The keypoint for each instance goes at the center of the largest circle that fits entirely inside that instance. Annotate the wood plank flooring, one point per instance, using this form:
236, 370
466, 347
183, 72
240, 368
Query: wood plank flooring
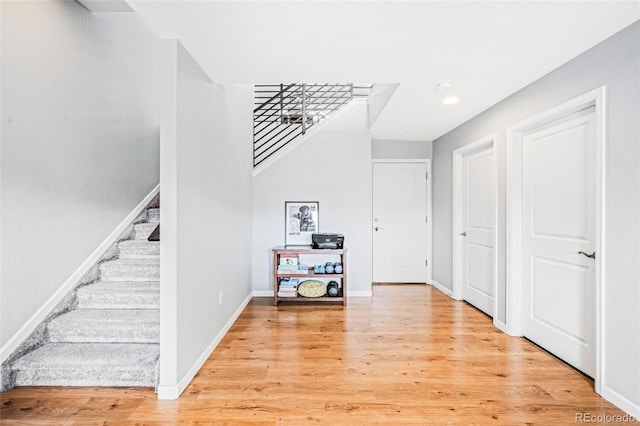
409, 355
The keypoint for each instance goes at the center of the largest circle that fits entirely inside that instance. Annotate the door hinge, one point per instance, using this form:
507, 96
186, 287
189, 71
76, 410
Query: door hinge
426, 175
426, 219
426, 262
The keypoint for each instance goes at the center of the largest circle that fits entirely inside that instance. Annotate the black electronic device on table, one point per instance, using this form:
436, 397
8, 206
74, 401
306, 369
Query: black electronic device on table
327, 241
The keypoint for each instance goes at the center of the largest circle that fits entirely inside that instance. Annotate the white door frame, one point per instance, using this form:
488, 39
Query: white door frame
486, 143
596, 98
429, 236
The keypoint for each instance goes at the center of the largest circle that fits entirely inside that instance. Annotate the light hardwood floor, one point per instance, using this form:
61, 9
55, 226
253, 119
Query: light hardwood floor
409, 355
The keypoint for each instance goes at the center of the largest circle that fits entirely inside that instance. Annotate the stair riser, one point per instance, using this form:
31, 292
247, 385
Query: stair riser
85, 377
137, 272
143, 230
88, 364
112, 295
106, 326
119, 300
139, 251
143, 334
139, 256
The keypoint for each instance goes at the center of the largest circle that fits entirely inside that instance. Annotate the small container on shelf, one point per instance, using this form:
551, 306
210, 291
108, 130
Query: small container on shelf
288, 260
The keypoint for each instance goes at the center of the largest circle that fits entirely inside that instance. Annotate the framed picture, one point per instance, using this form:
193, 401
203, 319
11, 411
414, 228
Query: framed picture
301, 220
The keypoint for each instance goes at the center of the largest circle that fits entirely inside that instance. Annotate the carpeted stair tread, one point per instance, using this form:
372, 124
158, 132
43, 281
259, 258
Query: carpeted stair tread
143, 230
131, 270
111, 336
88, 364
135, 249
106, 325
120, 295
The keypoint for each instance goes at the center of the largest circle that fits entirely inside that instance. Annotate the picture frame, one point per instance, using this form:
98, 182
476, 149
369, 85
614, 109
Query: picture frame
301, 220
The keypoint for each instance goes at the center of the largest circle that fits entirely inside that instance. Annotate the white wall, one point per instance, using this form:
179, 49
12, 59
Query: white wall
206, 214
616, 64
400, 150
80, 123
333, 167
379, 97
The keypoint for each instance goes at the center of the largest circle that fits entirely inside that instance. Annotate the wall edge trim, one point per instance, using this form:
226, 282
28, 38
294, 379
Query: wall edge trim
500, 325
621, 402
441, 288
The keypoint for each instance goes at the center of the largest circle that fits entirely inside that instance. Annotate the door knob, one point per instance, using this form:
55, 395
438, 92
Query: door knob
377, 227
592, 255
464, 234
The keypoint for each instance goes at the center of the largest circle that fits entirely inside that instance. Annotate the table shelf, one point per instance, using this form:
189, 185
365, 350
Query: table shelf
290, 251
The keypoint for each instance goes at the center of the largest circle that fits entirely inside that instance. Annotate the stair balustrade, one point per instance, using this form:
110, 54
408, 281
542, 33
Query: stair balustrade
284, 112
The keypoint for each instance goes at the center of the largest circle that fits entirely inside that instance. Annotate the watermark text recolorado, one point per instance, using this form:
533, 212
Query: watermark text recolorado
604, 418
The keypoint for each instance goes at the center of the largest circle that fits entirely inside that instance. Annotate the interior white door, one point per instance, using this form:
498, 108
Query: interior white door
559, 207
478, 225
399, 222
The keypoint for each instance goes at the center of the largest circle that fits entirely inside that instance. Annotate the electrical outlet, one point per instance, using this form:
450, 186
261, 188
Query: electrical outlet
220, 298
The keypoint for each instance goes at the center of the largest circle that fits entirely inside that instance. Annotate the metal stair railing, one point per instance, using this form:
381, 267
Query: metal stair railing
284, 112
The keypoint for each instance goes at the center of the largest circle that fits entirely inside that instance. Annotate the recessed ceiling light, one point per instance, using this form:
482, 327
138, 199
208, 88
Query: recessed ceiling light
445, 87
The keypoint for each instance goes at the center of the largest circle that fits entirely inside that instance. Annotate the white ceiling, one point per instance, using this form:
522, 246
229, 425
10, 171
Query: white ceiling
490, 49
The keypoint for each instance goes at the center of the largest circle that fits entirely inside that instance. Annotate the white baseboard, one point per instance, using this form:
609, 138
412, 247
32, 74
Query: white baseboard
442, 288
500, 325
621, 402
262, 293
359, 293
30, 325
174, 391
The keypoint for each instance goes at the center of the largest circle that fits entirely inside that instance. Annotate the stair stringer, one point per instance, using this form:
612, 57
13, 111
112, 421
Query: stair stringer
295, 143
65, 299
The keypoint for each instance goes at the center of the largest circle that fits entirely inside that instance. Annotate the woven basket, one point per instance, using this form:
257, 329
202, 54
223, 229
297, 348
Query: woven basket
312, 288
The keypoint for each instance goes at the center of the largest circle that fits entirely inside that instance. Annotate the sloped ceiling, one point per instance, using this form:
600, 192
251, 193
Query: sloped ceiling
490, 49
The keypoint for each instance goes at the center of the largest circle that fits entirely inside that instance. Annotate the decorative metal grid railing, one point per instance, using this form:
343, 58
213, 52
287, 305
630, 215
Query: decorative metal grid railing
284, 112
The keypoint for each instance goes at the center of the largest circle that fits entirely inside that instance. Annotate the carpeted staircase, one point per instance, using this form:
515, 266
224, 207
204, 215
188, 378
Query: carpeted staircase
111, 337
